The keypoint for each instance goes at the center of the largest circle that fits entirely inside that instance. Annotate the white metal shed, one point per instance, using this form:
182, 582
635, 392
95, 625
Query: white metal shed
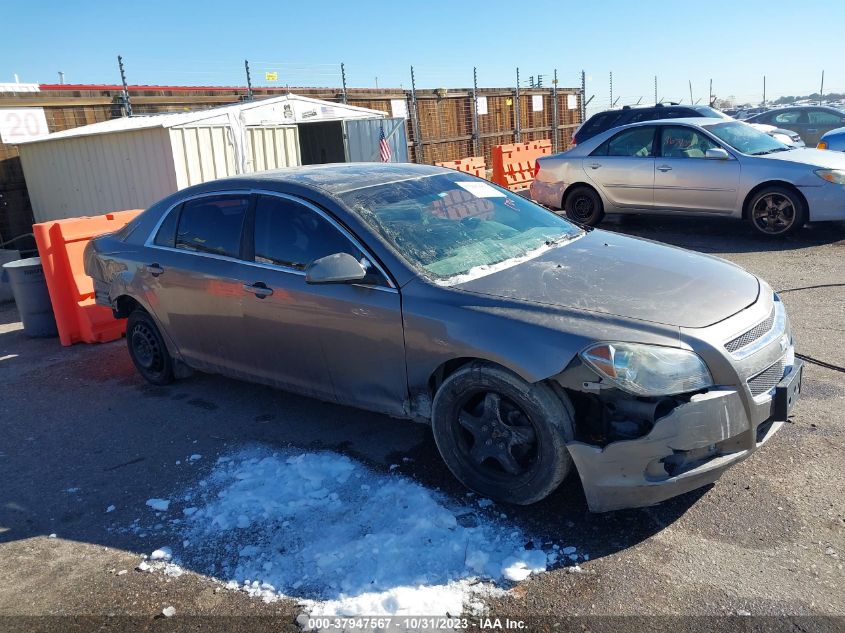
130, 163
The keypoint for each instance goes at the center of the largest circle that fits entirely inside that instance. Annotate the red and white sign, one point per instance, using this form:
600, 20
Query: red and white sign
22, 124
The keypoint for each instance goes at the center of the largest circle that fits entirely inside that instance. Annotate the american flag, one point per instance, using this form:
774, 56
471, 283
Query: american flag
383, 147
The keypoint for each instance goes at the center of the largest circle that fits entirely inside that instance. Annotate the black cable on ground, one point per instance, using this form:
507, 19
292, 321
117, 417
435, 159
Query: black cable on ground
820, 363
780, 292
15, 239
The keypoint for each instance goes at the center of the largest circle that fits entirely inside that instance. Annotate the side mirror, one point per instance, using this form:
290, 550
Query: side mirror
716, 153
340, 268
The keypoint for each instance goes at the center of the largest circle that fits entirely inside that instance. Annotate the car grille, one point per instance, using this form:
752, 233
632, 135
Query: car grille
766, 379
751, 335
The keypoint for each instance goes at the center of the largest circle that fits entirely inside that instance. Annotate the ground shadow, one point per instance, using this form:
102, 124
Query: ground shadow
720, 235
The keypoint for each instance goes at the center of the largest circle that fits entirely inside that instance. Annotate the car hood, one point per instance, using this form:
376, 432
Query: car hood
807, 156
628, 277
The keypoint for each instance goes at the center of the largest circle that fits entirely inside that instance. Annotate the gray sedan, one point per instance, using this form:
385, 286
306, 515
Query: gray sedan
532, 347
695, 166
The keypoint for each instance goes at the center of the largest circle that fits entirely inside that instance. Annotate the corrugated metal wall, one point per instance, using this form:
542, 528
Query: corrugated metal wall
362, 139
202, 153
91, 175
272, 147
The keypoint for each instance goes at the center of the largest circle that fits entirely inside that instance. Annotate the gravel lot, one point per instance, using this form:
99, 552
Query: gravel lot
767, 539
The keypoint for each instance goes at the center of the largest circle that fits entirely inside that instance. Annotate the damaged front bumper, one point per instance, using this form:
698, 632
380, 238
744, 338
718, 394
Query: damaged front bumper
688, 448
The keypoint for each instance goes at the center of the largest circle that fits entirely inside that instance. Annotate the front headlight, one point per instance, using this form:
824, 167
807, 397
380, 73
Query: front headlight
836, 176
648, 370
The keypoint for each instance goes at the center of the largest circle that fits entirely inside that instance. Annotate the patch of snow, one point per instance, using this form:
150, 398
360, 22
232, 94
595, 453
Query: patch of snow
484, 503
52, 535
122, 572
168, 612
384, 544
72, 490
111, 509
194, 457
569, 550
162, 553
158, 504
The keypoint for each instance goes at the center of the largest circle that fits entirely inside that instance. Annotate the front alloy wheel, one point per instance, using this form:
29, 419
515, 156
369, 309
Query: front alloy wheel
775, 212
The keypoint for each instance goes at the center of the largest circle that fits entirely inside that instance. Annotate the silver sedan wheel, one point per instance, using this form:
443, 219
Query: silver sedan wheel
773, 213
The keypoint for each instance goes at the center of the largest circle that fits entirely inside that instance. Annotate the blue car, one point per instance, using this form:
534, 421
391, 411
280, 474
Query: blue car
835, 140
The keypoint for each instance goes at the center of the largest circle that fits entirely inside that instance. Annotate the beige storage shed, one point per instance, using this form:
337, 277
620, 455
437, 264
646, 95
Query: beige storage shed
131, 162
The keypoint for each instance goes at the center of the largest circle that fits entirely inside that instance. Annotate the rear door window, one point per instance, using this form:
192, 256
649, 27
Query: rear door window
823, 117
600, 122
213, 224
166, 235
637, 142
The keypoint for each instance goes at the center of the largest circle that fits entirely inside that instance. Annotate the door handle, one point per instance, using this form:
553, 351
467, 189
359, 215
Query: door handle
155, 270
259, 289
664, 168
595, 165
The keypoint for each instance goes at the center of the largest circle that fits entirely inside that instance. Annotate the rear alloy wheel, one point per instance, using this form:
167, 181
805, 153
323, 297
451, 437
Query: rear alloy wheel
584, 205
776, 211
147, 348
500, 436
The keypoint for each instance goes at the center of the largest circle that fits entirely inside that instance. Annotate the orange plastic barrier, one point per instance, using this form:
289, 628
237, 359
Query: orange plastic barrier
473, 165
61, 244
513, 165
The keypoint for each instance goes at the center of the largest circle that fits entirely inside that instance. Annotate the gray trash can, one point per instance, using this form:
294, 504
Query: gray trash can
31, 296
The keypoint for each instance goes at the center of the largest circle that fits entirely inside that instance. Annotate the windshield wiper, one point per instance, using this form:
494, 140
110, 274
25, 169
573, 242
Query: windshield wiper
772, 151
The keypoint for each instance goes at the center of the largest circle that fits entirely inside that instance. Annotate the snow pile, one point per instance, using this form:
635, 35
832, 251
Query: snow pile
344, 540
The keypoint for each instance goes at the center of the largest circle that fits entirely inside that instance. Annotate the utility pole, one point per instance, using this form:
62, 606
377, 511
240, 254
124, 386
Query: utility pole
127, 105
376, 81
611, 89
690, 92
248, 81
710, 101
764, 91
343, 79
821, 90
655, 91
61, 77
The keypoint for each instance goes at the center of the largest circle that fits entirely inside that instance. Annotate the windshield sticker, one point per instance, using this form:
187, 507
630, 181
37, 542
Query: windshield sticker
481, 189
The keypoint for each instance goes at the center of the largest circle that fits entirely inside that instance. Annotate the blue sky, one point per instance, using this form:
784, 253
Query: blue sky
200, 43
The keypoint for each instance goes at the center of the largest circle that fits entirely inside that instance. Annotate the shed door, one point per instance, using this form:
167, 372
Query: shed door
362, 139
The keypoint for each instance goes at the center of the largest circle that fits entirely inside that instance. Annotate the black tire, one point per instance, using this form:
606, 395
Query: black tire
147, 348
584, 205
482, 414
776, 211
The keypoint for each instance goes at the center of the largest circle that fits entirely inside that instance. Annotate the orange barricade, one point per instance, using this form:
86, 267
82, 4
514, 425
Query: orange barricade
60, 245
513, 165
473, 165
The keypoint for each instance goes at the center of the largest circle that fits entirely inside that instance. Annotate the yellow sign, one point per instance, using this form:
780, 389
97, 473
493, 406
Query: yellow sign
271, 76
508, 101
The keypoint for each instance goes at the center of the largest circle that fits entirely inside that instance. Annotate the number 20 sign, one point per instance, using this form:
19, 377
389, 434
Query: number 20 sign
22, 124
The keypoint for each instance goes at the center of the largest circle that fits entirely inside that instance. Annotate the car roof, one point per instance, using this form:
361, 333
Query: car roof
336, 178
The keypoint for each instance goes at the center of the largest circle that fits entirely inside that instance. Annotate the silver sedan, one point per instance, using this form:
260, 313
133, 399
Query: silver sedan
696, 166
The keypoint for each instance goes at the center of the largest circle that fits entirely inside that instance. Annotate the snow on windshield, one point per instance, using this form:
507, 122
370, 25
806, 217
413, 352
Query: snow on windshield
450, 224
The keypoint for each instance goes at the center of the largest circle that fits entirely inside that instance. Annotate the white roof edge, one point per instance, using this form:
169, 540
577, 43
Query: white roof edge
171, 119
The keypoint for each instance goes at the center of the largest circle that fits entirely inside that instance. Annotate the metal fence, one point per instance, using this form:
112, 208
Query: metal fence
442, 124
